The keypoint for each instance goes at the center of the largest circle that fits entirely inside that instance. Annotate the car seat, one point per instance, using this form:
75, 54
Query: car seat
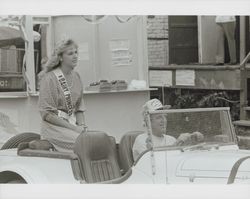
125, 149
97, 156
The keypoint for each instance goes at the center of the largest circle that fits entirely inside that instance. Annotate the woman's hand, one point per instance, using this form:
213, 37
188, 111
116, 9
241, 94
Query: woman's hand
81, 128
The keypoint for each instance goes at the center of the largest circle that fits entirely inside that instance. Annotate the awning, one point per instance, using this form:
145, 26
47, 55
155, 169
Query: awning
10, 36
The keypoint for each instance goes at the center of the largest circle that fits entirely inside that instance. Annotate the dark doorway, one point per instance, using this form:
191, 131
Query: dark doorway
183, 39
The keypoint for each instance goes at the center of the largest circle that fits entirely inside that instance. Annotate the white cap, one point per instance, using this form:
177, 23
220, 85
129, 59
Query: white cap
154, 104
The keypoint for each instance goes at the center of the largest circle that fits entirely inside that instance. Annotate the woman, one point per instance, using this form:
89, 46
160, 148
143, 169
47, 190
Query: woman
61, 98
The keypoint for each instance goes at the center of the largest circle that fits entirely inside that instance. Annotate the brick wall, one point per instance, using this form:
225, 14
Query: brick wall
157, 41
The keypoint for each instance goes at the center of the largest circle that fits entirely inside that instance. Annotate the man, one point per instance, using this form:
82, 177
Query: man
226, 26
159, 138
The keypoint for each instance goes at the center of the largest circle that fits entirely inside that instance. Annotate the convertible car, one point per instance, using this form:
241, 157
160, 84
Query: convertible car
97, 158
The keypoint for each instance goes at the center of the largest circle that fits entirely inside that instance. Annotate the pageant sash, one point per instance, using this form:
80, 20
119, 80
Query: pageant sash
65, 88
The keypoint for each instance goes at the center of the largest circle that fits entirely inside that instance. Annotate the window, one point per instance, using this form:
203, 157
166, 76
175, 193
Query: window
15, 70
11, 55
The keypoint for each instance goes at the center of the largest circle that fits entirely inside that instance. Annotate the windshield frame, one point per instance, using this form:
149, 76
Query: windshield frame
225, 109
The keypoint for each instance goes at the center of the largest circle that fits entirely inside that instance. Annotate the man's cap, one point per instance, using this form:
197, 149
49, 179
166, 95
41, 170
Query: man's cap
154, 104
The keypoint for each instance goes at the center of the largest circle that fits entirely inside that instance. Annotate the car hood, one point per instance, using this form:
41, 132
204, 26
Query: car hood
212, 163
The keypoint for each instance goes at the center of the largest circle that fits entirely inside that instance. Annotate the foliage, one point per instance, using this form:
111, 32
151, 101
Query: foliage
207, 98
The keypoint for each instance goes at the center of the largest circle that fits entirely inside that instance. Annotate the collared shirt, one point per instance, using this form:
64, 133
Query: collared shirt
141, 141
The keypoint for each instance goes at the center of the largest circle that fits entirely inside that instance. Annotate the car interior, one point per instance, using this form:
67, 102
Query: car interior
100, 159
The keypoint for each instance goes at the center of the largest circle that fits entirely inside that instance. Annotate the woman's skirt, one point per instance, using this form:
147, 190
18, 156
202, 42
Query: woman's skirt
63, 139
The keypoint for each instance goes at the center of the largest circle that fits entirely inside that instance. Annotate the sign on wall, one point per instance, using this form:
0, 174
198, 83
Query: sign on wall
159, 78
120, 52
185, 78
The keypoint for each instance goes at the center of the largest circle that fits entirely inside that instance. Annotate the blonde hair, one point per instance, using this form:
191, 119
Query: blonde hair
54, 60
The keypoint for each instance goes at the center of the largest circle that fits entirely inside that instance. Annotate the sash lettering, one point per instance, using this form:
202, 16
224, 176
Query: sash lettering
62, 81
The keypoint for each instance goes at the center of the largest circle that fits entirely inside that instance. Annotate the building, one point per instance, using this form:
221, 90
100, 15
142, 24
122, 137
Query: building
169, 55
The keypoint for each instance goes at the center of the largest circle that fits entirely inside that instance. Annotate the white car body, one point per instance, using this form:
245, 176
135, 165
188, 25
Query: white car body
196, 167
37, 170
198, 164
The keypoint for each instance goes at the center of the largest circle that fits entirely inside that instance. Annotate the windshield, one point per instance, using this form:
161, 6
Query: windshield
189, 127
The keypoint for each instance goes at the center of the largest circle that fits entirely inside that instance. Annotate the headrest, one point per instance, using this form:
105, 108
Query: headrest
94, 144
